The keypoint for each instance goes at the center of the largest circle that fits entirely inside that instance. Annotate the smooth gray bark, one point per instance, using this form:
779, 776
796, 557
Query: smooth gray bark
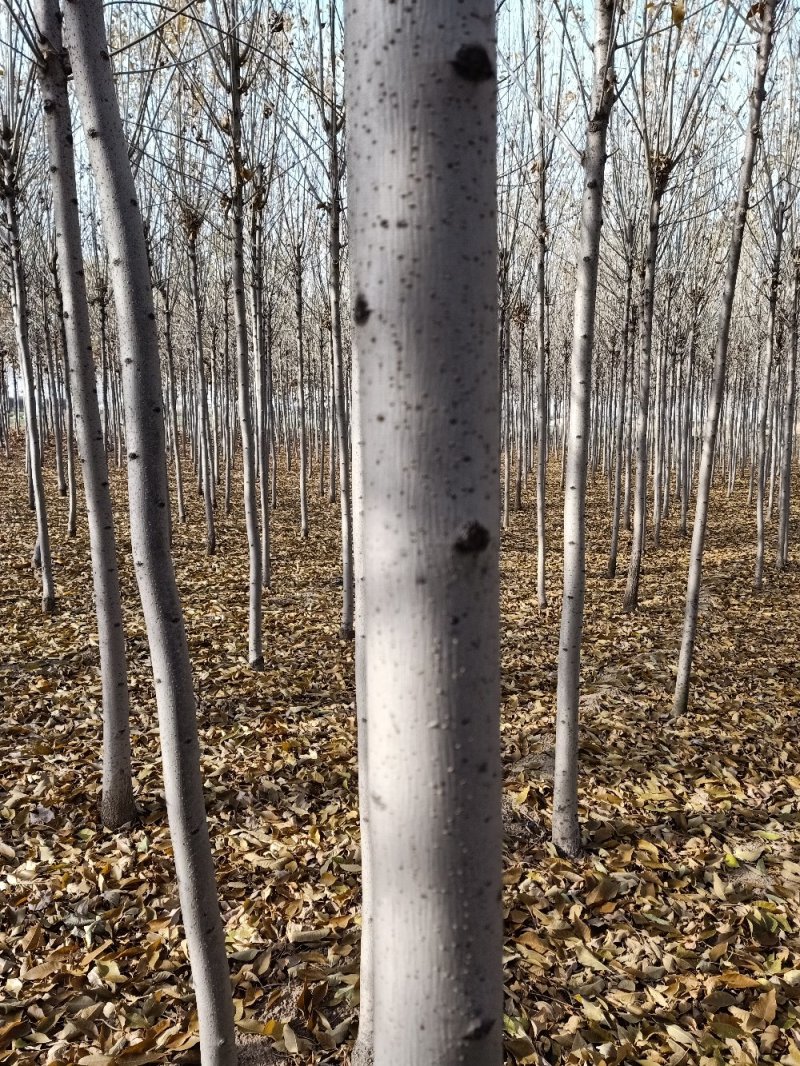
421, 107
249, 442
85, 38
117, 803
566, 830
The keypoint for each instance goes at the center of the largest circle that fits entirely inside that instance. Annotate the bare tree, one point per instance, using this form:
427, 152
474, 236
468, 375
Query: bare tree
566, 830
753, 130
85, 38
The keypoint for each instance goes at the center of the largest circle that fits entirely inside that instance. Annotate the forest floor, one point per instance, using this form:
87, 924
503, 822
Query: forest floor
674, 939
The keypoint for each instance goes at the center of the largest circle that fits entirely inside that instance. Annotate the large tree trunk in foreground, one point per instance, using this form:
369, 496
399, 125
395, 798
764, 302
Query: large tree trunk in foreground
85, 37
423, 256
681, 697
566, 830
117, 804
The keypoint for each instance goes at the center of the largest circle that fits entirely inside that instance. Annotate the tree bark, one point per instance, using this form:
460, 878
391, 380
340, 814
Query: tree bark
117, 804
761, 470
342, 431
619, 432
566, 830
301, 391
255, 635
85, 38
785, 494
206, 466
631, 600
423, 254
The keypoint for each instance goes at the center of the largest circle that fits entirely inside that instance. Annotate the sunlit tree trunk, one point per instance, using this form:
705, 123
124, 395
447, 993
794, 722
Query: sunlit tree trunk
255, 635
117, 803
566, 830
85, 38
681, 697
423, 256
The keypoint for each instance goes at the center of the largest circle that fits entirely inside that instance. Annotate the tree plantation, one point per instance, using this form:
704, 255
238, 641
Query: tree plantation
399, 599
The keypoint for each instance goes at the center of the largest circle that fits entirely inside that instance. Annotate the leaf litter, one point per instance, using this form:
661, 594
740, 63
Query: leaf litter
674, 939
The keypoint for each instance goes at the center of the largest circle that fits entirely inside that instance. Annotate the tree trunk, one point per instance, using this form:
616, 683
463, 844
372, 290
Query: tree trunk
423, 257
619, 432
55, 396
85, 38
301, 390
342, 432
262, 340
42, 557
255, 636
566, 830
681, 697
784, 501
72, 515
761, 468
172, 401
117, 804
206, 467
631, 600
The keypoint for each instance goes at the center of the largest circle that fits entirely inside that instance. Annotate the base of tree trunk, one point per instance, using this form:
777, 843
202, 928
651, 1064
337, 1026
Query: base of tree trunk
117, 811
48, 605
361, 1054
257, 664
347, 633
568, 842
